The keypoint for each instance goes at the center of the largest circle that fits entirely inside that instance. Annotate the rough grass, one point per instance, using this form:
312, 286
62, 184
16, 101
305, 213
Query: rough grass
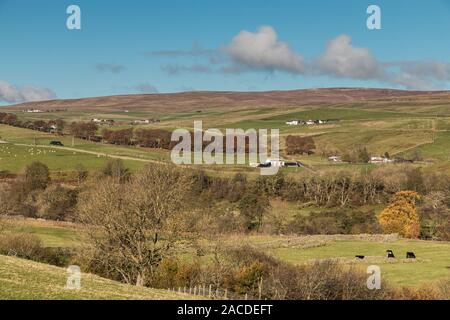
16, 158
433, 258
433, 261
25, 146
51, 233
27, 280
399, 126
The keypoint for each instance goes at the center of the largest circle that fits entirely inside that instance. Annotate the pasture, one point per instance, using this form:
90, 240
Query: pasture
15, 158
432, 264
400, 127
27, 280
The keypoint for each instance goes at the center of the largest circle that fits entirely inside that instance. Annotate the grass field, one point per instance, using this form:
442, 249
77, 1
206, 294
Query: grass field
25, 146
52, 233
399, 127
433, 261
27, 280
433, 258
15, 158
381, 126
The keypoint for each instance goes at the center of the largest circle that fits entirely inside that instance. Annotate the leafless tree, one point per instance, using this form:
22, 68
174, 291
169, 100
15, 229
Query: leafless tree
131, 226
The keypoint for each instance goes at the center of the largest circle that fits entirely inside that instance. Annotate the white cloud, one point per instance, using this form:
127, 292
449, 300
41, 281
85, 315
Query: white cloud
412, 82
427, 69
263, 51
342, 59
15, 94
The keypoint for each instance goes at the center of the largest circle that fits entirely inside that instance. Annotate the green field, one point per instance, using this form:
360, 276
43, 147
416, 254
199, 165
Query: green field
25, 146
401, 127
432, 263
27, 280
14, 158
433, 258
52, 234
381, 126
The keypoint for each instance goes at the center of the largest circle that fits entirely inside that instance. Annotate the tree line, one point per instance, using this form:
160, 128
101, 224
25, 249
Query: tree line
135, 221
340, 194
55, 126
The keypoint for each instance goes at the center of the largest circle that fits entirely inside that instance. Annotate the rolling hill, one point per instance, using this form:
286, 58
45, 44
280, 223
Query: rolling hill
189, 101
27, 280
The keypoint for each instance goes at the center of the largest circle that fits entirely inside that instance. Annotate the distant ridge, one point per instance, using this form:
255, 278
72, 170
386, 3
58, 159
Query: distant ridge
190, 101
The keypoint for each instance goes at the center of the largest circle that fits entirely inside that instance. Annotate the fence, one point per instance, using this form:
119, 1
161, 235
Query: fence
207, 291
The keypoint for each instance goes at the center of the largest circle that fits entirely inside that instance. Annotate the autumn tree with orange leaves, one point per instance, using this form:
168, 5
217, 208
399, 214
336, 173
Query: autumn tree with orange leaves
401, 215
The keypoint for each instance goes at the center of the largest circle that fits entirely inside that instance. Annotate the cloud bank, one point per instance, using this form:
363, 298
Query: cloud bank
263, 51
15, 94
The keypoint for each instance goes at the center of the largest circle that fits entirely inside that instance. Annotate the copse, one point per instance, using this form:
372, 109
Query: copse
119, 137
56, 203
37, 176
252, 208
116, 169
299, 145
83, 130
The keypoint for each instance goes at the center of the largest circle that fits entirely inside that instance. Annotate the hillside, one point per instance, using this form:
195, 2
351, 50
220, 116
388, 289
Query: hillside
27, 280
189, 101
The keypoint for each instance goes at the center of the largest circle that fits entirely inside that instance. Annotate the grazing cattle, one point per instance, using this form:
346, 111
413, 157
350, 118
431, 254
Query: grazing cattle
360, 257
390, 254
410, 255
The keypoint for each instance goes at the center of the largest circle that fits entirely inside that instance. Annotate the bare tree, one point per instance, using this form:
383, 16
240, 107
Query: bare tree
131, 226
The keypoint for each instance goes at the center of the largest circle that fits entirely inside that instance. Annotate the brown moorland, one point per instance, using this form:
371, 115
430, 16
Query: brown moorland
190, 101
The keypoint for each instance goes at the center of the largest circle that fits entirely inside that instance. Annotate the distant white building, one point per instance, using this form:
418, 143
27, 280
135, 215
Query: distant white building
102, 121
34, 111
137, 122
380, 160
307, 123
335, 159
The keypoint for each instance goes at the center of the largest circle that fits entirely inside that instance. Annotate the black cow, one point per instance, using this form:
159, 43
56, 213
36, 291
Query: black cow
360, 257
390, 254
410, 255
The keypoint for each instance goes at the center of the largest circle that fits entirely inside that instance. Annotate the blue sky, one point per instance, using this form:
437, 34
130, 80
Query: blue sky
150, 46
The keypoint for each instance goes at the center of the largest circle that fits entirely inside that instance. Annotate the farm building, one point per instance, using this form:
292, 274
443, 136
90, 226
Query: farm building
335, 159
144, 121
103, 121
307, 122
380, 160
